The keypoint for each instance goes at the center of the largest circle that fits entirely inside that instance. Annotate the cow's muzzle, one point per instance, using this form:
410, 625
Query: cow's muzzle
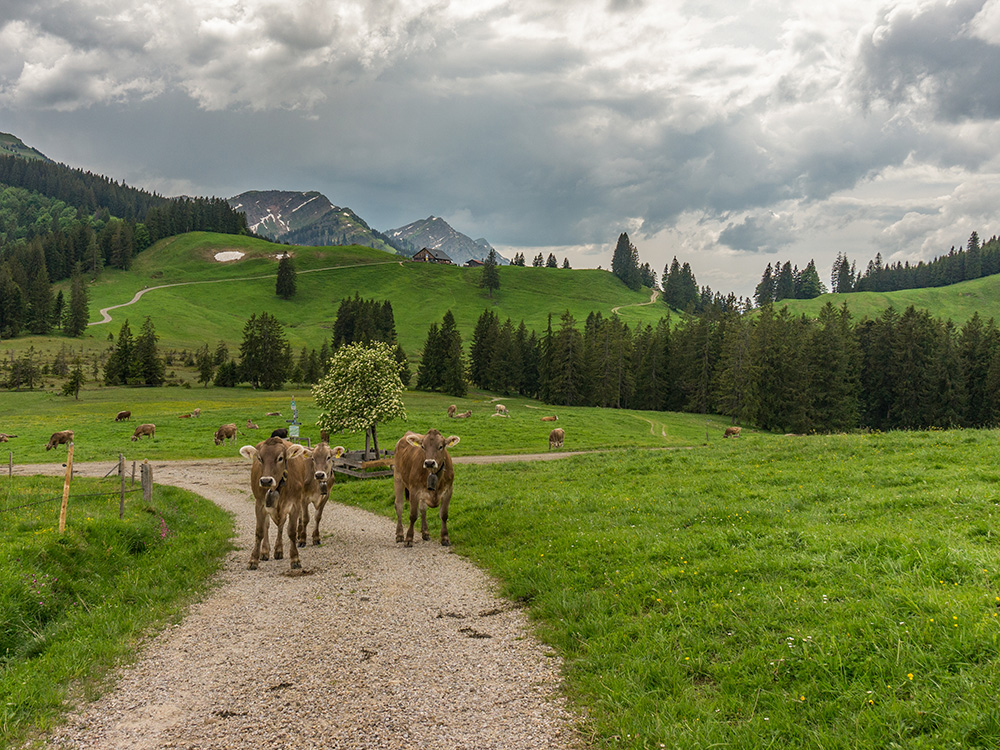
267, 481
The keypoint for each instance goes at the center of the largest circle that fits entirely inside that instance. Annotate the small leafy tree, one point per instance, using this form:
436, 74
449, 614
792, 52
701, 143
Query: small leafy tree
360, 390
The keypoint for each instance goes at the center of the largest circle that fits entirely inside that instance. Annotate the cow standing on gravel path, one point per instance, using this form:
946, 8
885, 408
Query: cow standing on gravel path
279, 471
317, 491
423, 476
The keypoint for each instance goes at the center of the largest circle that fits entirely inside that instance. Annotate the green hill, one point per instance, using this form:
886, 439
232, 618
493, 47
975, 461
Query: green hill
957, 302
204, 300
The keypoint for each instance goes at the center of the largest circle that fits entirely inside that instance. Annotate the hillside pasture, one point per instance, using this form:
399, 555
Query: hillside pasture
34, 415
834, 592
219, 297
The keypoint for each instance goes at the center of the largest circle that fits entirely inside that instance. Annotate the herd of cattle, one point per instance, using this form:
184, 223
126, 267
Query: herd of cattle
287, 478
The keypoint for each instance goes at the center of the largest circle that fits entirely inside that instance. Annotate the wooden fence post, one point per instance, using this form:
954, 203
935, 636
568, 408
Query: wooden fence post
65, 499
133, 473
121, 477
10, 463
147, 482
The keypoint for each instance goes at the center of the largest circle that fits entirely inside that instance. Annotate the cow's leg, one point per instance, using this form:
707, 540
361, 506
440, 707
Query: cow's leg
319, 515
302, 525
445, 500
293, 531
425, 534
402, 494
265, 543
260, 534
279, 542
414, 512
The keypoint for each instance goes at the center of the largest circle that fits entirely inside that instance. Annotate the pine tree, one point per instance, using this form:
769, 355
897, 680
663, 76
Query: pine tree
784, 284
429, 373
76, 380
286, 283
764, 293
149, 366
120, 367
490, 277
551, 261
452, 365
76, 320
205, 365
809, 285
565, 364
625, 262
262, 363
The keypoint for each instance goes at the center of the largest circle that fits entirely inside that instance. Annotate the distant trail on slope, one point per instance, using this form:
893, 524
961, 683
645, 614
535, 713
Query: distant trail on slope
105, 318
652, 299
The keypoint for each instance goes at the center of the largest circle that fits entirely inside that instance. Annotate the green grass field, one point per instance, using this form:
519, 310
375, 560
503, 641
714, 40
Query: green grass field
74, 605
34, 416
835, 592
217, 298
957, 302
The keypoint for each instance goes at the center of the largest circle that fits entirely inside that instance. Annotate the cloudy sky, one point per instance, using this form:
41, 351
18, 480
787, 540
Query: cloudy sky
730, 134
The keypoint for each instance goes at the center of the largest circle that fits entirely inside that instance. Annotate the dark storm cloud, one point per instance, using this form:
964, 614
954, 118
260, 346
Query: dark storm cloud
931, 57
766, 234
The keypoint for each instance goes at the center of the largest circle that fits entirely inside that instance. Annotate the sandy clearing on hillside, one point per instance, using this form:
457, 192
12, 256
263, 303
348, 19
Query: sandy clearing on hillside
379, 646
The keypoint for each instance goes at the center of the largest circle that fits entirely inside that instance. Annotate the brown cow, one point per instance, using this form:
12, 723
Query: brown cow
279, 472
224, 433
184, 416
196, 412
273, 414
59, 438
144, 429
464, 414
318, 491
4, 437
423, 475
252, 426
123, 416
556, 438
501, 411
452, 410
281, 432
549, 419
733, 432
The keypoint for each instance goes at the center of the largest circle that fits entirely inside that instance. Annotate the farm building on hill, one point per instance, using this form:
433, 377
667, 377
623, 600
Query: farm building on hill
473, 263
426, 255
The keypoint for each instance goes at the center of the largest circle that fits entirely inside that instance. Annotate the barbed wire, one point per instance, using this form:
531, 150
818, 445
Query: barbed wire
71, 497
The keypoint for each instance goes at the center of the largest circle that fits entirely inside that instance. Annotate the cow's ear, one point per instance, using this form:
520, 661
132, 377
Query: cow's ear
248, 451
294, 451
415, 440
452, 440
339, 451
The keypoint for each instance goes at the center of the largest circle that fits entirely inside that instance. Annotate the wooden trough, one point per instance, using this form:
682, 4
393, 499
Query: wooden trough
370, 464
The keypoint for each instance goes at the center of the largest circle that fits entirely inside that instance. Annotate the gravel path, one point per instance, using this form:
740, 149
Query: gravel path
377, 646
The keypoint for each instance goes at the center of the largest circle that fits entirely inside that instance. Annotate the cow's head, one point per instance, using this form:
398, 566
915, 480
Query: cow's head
435, 446
322, 459
274, 455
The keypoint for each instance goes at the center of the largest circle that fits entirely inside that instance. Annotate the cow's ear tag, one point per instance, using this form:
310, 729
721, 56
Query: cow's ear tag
414, 440
452, 440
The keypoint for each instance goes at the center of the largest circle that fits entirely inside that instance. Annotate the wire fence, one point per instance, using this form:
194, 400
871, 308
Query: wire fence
145, 487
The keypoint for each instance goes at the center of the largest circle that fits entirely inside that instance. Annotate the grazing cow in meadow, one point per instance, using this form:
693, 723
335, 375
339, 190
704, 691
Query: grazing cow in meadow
196, 412
279, 472
549, 419
224, 433
501, 411
144, 429
59, 438
317, 492
452, 410
556, 438
732, 432
252, 426
424, 476
281, 432
123, 416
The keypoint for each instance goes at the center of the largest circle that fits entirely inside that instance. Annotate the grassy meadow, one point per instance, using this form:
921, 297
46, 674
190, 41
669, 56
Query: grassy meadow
214, 299
34, 415
72, 606
823, 592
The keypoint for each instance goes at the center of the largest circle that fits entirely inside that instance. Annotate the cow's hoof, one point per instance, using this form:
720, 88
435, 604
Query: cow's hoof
263, 557
399, 538
279, 555
302, 544
446, 542
426, 537
252, 565
317, 542
296, 565
409, 542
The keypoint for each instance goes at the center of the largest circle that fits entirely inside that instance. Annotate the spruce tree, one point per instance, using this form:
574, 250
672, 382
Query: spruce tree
149, 366
76, 319
120, 367
490, 277
285, 285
